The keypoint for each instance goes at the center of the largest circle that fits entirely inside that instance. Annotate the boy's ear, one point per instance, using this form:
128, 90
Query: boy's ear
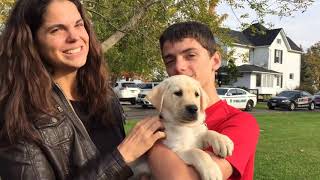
216, 61
156, 95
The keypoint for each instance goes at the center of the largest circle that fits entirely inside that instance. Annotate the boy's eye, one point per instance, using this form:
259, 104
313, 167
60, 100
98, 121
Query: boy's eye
169, 61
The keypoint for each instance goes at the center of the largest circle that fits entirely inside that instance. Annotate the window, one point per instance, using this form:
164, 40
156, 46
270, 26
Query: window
279, 41
258, 80
267, 80
305, 94
241, 92
278, 56
232, 92
291, 76
264, 80
279, 80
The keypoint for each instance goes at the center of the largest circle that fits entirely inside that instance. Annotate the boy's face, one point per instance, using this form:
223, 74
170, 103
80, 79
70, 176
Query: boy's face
188, 57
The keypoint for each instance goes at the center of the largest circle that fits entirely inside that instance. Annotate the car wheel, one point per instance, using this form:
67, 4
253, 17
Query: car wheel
133, 101
292, 106
249, 106
311, 106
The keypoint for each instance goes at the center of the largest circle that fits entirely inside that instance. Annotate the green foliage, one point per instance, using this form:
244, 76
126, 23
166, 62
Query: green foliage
310, 69
228, 74
137, 52
5, 6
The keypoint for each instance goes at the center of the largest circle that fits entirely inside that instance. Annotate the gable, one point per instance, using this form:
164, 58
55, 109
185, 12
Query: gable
258, 35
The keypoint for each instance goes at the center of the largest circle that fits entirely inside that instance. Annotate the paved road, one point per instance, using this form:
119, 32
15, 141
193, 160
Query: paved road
137, 112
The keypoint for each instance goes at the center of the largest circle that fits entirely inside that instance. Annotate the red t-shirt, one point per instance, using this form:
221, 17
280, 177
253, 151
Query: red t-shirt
242, 129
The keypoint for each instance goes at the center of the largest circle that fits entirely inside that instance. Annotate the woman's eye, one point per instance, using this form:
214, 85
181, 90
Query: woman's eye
79, 25
54, 30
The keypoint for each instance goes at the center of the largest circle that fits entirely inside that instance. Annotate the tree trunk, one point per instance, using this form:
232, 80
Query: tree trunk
119, 34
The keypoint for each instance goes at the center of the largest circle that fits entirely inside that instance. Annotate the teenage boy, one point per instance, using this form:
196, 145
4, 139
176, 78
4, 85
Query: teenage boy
188, 48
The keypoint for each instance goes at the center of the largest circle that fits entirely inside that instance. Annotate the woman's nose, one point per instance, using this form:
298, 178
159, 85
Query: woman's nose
73, 35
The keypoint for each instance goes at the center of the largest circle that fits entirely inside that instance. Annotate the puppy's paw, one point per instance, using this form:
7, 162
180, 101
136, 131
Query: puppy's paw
202, 162
221, 144
211, 172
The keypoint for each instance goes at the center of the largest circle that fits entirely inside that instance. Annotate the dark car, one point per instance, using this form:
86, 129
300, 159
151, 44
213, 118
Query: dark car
317, 99
291, 100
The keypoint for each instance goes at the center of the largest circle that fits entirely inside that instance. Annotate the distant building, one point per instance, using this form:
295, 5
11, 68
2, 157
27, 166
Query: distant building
267, 59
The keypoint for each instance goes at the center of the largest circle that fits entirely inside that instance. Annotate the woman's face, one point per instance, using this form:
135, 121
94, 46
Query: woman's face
62, 39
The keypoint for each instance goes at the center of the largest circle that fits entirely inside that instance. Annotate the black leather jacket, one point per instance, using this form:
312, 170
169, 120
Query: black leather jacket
66, 151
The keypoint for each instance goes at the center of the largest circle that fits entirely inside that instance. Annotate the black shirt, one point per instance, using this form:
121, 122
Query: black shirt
106, 138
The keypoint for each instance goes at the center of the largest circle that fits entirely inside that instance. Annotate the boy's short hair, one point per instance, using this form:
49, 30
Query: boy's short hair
191, 29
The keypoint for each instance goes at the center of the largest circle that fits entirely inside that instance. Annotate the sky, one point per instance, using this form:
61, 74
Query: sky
302, 28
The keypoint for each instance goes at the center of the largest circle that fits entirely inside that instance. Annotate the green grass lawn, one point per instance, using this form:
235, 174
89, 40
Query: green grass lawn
261, 105
288, 148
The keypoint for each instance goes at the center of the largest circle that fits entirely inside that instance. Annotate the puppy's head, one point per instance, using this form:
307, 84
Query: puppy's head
180, 99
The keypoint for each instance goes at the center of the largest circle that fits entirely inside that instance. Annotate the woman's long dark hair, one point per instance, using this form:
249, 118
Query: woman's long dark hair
25, 80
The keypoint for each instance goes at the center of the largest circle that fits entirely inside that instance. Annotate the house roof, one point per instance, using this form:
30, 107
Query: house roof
254, 68
293, 45
258, 35
239, 37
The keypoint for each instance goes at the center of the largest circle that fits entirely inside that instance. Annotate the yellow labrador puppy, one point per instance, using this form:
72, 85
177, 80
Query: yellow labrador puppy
181, 103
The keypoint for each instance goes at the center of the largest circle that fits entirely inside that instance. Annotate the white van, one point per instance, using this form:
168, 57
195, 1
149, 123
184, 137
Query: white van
127, 91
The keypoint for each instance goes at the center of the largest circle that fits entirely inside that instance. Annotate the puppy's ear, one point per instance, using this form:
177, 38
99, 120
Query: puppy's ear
204, 100
156, 95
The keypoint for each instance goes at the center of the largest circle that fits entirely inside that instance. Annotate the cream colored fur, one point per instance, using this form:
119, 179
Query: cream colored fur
182, 102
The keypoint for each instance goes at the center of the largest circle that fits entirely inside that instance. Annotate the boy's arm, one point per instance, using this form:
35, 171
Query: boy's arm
165, 164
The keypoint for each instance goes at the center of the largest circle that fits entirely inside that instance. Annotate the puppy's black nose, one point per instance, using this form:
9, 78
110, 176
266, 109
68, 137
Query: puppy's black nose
192, 109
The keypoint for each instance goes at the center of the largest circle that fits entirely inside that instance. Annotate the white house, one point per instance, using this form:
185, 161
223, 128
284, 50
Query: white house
267, 59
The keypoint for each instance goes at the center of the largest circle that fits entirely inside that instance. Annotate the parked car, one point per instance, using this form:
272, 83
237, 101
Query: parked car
238, 98
127, 91
145, 88
317, 99
292, 99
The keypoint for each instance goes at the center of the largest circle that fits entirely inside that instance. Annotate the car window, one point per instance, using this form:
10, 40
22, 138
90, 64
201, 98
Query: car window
304, 93
129, 85
221, 91
241, 92
288, 94
233, 92
147, 85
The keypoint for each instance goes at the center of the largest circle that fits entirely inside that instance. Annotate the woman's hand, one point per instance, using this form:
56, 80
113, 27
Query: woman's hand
141, 139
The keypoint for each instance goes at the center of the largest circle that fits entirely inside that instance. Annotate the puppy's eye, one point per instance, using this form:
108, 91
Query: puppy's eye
196, 94
178, 93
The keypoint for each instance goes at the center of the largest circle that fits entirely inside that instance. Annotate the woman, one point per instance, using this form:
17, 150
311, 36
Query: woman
59, 118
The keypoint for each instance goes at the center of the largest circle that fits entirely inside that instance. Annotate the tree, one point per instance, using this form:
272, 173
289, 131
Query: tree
129, 29
310, 69
5, 6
